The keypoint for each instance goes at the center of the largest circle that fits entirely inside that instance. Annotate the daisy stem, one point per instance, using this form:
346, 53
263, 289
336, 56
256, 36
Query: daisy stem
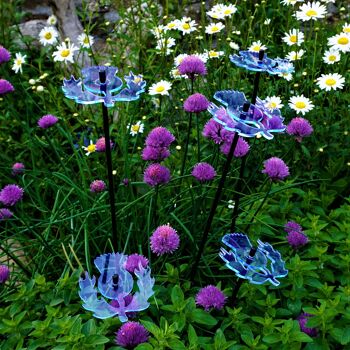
102, 75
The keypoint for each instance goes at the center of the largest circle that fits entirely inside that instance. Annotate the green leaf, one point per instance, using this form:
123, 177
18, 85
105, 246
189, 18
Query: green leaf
301, 337
342, 336
176, 344
192, 336
219, 340
177, 297
144, 346
202, 317
96, 339
272, 338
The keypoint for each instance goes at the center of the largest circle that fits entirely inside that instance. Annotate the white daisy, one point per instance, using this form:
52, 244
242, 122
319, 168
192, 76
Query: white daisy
294, 37
215, 54
214, 28
203, 56
234, 45
186, 25
340, 42
295, 55
178, 59
48, 36
346, 28
267, 21
160, 88
172, 25
221, 11
290, 2
257, 46
175, 74
136, 128
287, 76
64, 52
158, 31
52, 20
311, 10
331, 56
18, 61
300, 104
91, 148
273, 102
229, 10
330, 81
165, 43
85, 40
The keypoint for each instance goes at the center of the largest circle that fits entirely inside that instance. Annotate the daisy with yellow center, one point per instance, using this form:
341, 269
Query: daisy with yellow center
311, 11
257, 46
331, 56
287, 76
301, 104
136, 128
160, 88
48, 36
18, 61
294, 37
215, 54
330, 81
346, 28
64, 52
172, 25
214, 28
295, 55
340, 42
52, 20
85, 40
91, 148
273, 102
186, 25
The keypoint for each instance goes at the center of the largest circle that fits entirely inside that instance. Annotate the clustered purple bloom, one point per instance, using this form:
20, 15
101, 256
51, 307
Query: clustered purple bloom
203, 172
131, 334
299, 127
133, 261
296, 237
276, 169
196, 103
17, 168
302, 319
5, 214
4, 55
4, 273
156, 174
11, 194
164, 240
47, 121
241, 149
5, 87
211, 297
97, 186
101, 144
191, 66
157, 143
292, 226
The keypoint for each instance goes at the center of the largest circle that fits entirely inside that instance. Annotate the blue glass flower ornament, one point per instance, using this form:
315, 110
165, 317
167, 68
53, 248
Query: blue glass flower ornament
260, 265
258, 120
250, 60
116, 283
91, 90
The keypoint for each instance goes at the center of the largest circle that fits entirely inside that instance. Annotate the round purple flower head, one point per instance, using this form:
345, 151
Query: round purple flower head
292, 226
159, 137
17, 168
11, 194
302, 319
196, 103
164, 240
47, 121
156, 174
297, 239
191, 66
5, 87
4, 273
101, 144
155, 153
133, 261
131, 334
210, 297
5, 214
299, 127
241, 149
215, 131
276, 169
4, 55
97, 186
203, 172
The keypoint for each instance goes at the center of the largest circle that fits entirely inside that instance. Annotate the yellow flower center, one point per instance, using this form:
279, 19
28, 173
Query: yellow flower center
256, 48
332, 58
273, 105
186, 26
215, 29
135, 128
343, 41
227, 12
171, 25
300, 104
311, 13
346, 30
91, 148
137, 80
65, 53
48, 36
330, 82
86, 41
293, 38
160, 88
18, 61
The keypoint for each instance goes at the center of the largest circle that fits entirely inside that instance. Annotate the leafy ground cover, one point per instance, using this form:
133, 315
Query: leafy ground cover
180, 199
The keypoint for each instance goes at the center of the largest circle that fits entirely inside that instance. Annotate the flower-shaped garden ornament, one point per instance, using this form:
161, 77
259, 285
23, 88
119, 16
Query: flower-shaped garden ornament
93, 89
257, 265
256, 62
116, 285
257, 120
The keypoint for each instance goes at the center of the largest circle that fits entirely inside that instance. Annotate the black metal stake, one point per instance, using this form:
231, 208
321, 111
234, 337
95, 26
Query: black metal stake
102, 76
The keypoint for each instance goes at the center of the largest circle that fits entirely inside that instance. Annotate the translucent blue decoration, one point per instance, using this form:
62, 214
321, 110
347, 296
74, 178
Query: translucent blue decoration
90, 90
258, 120
116, 284
250, 60
260, 265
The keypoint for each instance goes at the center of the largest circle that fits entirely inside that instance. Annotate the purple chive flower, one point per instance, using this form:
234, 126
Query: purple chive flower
97, 186
210, 297
11, 194
302, 319
4, 55
297, 239
4, 273
242, 147
191, 66
101, 144
131, 334
159, 137
5, 214
164, 240
156, 174
47, 121
17, 168
133, 261
203, 172
196, 103
155, 153
292, 226
5, 87
276, 169
215, 131
299, 127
